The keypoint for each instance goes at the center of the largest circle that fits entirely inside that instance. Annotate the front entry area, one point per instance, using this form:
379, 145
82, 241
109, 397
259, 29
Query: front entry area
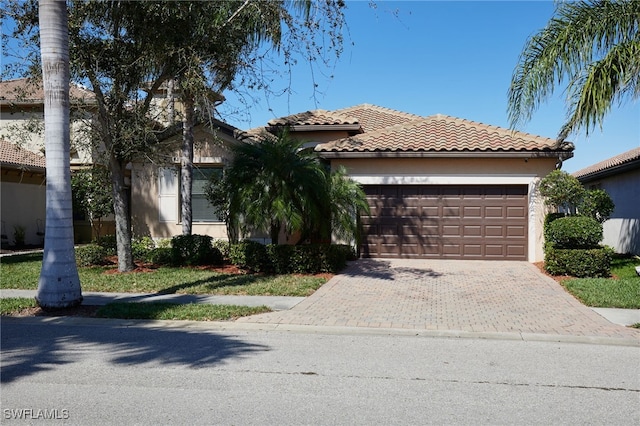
487, 222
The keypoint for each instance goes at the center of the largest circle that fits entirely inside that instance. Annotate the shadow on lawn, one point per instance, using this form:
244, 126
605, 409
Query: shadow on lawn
214, 282
30, 347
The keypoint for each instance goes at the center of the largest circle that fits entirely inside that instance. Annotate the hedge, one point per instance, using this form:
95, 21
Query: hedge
194, 250
579, 262
288, 259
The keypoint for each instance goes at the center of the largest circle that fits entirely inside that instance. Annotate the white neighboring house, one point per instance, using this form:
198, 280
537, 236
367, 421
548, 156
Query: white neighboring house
620, 177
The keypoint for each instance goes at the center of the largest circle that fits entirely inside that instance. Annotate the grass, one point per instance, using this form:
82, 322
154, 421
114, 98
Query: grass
169, 311
21, 272
15, 304
623, 291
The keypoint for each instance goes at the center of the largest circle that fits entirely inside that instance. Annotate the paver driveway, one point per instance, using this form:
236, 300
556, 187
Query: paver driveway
453, 295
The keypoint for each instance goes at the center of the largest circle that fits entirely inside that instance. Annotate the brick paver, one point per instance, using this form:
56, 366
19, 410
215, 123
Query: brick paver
452, 295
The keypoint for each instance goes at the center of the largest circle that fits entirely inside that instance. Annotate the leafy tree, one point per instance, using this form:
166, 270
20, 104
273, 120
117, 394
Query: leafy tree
92, 195
120, 47
561, 190
59, 283
595, 46
596, 203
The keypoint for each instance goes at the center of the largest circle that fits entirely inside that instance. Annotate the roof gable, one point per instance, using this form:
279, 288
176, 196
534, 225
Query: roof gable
610, 165
441, 133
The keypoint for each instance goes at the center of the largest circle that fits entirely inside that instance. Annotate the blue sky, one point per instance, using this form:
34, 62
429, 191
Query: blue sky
453, 58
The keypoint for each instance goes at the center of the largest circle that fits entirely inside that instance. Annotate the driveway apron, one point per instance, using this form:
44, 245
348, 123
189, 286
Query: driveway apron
452, 295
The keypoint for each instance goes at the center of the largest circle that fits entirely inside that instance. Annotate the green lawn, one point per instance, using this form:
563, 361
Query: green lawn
622, 291
21, 272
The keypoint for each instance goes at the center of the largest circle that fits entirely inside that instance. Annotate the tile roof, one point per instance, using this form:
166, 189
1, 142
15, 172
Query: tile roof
372, 117
11, 155
610, 163
29, 91
313, 118
441, 133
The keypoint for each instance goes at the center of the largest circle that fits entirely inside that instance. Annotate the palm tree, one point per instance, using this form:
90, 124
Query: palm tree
59, 284
275, 184
592, 44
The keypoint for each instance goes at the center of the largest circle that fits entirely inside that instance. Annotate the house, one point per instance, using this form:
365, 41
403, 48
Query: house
438, 186
23, 194
619, 176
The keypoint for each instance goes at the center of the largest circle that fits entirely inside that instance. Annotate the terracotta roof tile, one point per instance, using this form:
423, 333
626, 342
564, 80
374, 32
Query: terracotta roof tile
372, 117
28, 91
313, 118
441, 133
610, 163
15, 157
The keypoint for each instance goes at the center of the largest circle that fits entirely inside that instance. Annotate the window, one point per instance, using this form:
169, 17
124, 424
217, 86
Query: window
201, 210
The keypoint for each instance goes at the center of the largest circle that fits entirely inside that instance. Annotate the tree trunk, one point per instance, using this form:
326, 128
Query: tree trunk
59, 283
186, 165
121, 212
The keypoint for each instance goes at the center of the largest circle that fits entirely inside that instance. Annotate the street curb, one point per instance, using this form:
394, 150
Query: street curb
333, 330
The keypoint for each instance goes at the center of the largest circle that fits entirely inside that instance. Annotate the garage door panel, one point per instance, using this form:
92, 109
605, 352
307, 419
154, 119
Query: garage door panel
457, 222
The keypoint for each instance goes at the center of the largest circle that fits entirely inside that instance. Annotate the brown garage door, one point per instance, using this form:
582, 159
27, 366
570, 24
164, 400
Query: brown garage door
450, 222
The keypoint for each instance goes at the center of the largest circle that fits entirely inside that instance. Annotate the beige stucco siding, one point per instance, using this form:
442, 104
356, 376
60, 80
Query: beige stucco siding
23, 204
155, 200
462, 171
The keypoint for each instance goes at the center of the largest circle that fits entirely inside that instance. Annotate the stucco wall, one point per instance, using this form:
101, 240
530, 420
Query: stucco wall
462, 171
146, 195
23, 204
622, 230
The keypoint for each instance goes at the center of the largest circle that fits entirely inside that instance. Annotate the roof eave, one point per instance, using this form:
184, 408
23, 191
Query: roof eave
563, 155
600, 174
316, 127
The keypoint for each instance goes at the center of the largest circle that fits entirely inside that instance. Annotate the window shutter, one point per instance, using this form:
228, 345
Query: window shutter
168, 194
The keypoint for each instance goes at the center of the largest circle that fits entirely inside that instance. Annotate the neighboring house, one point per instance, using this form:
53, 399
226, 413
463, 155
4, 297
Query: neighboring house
619, 176
23, 194
438, 186
21, 126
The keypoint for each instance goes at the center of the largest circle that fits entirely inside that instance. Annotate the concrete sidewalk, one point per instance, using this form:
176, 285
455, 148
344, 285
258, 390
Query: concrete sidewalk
277, 303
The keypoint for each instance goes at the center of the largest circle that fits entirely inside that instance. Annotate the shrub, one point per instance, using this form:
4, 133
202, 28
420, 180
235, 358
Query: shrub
280, 256
194, 250
575, 232
579, 262
223, 247
141, 248
250, 255
597, 204
560, 189
91, 255
161, 256
109, 243
309, 259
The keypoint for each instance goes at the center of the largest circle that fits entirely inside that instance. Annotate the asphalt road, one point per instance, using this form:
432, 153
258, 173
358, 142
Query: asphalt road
119, 372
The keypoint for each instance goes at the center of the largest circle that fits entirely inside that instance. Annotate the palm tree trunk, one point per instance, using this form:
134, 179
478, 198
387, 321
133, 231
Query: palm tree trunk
59, 283
186, 164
